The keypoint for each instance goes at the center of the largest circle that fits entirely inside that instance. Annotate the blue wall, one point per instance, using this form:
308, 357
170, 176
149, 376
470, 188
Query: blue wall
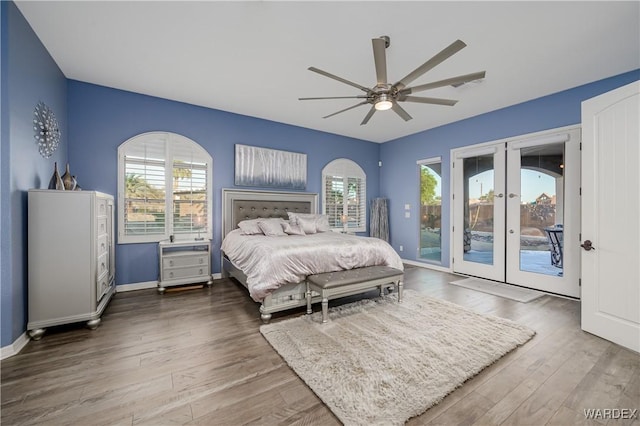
103, 118
29, 75
399, 181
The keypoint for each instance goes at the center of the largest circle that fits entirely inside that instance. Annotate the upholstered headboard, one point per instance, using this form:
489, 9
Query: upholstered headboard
238, 205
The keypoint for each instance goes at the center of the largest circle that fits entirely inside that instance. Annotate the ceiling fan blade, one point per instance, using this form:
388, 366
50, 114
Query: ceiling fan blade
380, 58
401, 112
340, 79
446, 82
440, 57
334, 97
421, 100
346, 109
368, 116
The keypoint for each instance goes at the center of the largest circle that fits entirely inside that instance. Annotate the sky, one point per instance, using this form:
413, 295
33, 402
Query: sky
533, 184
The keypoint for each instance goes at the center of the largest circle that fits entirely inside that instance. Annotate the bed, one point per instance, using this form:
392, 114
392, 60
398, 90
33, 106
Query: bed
274, 268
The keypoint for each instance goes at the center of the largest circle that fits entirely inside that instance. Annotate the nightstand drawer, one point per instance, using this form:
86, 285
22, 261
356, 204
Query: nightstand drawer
185, 260
178, 273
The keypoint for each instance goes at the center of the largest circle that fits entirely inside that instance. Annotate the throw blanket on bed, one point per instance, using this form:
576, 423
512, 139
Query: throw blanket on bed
270, 262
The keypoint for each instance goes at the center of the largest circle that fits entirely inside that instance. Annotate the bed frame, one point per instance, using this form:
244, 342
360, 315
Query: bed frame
238, 205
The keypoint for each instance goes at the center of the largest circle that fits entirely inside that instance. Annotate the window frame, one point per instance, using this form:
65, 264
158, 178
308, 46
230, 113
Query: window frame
347, 169
427, 162
171, 142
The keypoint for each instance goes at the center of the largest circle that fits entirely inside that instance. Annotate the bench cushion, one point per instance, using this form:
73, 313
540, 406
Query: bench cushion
335, 279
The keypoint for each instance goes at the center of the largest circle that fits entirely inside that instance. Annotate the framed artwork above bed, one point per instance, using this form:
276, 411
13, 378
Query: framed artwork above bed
264, 167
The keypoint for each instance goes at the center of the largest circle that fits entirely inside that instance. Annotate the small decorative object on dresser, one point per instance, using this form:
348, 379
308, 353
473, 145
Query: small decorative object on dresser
68, 180
184, 262
56, 180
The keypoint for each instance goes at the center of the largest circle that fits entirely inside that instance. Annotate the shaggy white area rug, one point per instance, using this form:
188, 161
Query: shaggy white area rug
507, 291
382, 362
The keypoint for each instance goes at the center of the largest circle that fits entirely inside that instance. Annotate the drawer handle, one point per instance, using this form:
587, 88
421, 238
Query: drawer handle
103, 246
171, 263
201, 260
171, 274
200, 271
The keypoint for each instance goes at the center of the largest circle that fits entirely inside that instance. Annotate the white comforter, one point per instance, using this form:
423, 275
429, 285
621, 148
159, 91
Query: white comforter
271, 262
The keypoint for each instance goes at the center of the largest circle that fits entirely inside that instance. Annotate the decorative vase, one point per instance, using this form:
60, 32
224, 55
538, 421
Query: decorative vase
56, 180
76, 187
67, 180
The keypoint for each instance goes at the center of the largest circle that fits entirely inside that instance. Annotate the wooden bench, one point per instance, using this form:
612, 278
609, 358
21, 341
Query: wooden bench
352, 281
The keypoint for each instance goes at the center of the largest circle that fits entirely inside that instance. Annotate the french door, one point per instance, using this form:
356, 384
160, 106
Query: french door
515, 202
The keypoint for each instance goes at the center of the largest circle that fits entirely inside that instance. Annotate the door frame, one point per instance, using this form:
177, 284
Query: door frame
483, 148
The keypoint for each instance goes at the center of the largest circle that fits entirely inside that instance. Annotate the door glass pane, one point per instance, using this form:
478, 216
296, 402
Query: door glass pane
478, 209
430, 211
541, 208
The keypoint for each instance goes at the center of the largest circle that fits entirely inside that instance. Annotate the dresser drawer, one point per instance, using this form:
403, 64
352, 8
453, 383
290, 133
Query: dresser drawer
182, 260
101, 206
178, 273
102, 286
103, 244
103, 265
102, 225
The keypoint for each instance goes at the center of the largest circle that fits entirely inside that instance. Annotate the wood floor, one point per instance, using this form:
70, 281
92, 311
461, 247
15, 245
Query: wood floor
197, 357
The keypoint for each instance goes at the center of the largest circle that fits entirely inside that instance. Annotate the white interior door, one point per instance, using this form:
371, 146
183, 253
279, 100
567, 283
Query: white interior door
543, 206
610, 216
479, 215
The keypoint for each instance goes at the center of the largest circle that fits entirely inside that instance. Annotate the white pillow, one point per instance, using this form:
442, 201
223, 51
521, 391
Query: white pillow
292, 229
319, 222
250, 226
308, 225
271, 228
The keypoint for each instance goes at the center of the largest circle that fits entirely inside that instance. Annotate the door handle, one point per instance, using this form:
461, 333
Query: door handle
512, 195
587, 245
499, 195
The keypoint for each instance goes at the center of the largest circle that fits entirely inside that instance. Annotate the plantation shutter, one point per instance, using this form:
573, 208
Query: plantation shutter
164, 188
334, 196
144, 198
189, 190
344, 190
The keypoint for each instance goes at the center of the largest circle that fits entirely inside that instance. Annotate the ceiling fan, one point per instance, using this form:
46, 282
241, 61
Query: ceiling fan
384, 96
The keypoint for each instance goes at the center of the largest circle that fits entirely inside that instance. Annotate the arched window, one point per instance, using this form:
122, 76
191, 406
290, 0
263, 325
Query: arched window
164, 188
344, 189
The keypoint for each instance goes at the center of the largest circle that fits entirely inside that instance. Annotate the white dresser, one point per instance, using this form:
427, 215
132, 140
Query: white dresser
184, 262
71, 257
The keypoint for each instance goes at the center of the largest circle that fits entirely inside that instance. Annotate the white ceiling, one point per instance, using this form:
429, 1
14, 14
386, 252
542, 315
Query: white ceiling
251, 58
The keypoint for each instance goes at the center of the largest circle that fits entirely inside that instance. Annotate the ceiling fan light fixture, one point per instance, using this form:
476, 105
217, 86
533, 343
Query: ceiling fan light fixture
383, 103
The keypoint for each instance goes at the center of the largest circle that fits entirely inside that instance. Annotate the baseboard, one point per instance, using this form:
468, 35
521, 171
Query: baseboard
136, 286
427, 266
15, 347
149, 284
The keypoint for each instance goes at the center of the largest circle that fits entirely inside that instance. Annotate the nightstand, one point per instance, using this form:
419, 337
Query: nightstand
184, 262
